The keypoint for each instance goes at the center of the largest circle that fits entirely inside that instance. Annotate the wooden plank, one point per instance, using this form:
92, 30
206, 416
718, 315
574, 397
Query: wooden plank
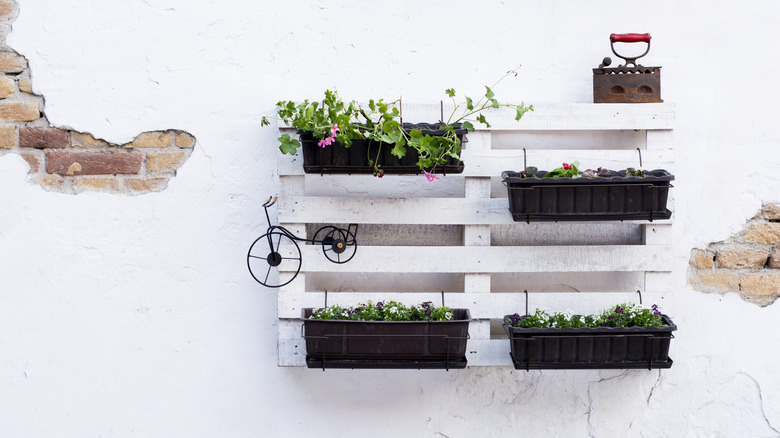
559, 117
493, 162
493, 259
438, 211
489, 305
490, 163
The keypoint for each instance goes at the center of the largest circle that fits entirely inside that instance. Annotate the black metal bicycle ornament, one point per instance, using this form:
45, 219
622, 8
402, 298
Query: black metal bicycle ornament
278, 248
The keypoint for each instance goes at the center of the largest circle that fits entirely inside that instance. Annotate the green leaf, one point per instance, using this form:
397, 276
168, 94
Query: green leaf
494, 103
469, 127
399, 150
481, 119
469, 104
489, 93
264, 121
450, 92
288, 145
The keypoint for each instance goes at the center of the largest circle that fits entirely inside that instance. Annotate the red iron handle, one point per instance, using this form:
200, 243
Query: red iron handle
629, 38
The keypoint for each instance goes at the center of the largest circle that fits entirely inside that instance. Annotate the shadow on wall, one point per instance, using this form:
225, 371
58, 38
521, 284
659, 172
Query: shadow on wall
747, 263
68, 161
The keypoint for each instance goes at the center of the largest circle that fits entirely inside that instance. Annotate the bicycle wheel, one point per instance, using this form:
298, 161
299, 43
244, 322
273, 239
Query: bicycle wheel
273, 250
339, 245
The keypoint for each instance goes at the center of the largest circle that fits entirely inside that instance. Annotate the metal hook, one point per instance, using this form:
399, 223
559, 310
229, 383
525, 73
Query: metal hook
640, 296
525, 162
326, 298
441, 109
639, 151
526, 301
442, 298
401, 110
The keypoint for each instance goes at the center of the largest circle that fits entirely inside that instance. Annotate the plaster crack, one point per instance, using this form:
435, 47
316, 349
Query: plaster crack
655, 385
760, 401
588, 414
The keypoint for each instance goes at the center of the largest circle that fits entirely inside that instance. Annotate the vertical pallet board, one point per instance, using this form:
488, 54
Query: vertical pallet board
472, 202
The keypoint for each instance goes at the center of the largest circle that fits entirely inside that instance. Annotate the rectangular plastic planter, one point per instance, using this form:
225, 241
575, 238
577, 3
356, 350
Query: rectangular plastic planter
336, 159
618, 197
386, 344
590, 347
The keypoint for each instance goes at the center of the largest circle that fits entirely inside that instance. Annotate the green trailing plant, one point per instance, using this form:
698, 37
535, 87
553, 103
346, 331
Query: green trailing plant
334, 121
620, 315
385, 311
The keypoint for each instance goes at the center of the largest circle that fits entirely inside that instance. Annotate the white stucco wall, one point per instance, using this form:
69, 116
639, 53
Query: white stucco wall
135, 316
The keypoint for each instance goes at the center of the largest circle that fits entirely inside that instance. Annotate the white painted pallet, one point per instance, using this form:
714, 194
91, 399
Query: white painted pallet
471, 204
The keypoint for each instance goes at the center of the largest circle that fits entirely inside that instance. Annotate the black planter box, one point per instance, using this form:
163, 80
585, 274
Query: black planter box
336, 159
590, 347
386, 344
619, 197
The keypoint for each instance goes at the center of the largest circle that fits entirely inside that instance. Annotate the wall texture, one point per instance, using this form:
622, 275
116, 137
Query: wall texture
135, 316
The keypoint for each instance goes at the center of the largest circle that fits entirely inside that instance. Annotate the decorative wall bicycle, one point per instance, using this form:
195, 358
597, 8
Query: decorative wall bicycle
278, 248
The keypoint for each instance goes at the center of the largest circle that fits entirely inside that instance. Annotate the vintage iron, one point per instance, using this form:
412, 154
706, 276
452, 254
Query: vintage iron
630, 82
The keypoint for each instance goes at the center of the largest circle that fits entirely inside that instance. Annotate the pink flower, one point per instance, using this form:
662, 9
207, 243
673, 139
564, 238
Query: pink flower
329, 140
566, 166
430, 176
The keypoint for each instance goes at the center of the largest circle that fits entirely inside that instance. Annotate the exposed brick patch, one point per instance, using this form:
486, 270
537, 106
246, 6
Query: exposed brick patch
742, 258
93, 163
184, 140
155, 139
42, 137
12, 62
7, 87
747, 263
146, 185
19, 111
8, 137
69, 161
33, 160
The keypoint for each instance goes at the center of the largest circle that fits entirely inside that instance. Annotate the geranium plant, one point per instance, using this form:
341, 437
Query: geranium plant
385, 311
571, 170
620, 315
335, 121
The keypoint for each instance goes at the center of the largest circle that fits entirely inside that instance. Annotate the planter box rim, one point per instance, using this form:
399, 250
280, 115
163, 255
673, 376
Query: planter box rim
669, 327
657, 175
306, 312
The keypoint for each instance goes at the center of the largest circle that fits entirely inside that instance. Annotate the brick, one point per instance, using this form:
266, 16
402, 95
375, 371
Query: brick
763, 233
97, 183
19, 111
164, 162
154, 139
11, 62
7, 87
33, 160
7, 9
184, 140
8, 138
42, 137
771, 211
83, 140
774, 258
719, 282
701, 259
146, 185
51, 182
761, 284
25, 86
93, 163
742, 258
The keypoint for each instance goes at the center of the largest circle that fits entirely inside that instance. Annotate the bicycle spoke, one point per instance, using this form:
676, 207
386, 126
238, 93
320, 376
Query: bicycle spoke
267, 274
257, 257
292, 258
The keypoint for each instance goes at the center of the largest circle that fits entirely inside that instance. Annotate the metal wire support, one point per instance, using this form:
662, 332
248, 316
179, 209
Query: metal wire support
640, 296
639, 151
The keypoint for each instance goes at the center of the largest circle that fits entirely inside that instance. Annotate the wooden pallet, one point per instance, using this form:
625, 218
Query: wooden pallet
483, 260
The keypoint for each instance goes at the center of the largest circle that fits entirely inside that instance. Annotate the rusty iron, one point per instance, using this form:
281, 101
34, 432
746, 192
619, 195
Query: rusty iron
629, 82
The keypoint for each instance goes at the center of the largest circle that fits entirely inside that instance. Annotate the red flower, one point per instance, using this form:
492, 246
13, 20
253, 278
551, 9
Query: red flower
566, 166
